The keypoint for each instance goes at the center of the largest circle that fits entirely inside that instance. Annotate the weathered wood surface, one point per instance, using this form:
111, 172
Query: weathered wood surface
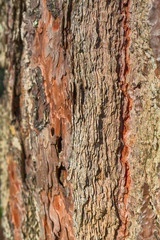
80, 120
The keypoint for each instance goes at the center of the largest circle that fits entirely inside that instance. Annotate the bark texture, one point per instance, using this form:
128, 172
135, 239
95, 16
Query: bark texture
80, 120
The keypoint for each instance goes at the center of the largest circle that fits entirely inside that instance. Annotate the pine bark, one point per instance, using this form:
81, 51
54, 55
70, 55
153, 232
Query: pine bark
80, 120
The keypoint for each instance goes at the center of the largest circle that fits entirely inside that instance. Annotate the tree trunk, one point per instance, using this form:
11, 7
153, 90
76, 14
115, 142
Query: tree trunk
80, 120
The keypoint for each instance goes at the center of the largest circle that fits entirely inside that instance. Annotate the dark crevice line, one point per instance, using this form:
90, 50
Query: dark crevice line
16, 62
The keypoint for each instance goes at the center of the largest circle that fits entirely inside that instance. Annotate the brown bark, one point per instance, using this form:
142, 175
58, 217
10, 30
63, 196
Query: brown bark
80, 120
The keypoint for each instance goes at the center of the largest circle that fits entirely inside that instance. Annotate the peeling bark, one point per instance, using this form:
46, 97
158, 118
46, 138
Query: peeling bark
80, 120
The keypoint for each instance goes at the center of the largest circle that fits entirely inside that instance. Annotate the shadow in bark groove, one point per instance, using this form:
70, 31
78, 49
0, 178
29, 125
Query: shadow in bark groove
61, 175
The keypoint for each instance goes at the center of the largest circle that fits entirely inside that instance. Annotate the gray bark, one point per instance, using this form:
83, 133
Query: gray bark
80, 128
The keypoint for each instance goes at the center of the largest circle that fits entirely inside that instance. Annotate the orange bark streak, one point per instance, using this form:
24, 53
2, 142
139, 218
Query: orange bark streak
123, 196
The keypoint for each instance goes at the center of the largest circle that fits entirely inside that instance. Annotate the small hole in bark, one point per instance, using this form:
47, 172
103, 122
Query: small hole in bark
52, 131
61, 175
59, 144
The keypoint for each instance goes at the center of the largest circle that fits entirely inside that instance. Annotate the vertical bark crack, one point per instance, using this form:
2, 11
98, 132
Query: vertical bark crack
126, 105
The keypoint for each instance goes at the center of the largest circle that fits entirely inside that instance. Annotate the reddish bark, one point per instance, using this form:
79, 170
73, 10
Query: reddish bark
48, 54
126, 108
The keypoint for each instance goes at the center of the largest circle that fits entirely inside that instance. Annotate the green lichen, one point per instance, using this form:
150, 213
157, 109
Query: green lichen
37, 16
35, 23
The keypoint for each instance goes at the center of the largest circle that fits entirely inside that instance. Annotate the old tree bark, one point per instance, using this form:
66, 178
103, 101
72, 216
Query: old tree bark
80, 119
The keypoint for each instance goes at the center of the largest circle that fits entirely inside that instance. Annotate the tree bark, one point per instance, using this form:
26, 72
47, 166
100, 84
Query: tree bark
80, 120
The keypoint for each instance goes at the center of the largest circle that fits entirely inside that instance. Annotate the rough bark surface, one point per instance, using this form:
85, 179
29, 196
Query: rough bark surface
80, 120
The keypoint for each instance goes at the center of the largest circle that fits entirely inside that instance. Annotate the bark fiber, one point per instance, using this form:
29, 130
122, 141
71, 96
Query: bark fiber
80, 122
